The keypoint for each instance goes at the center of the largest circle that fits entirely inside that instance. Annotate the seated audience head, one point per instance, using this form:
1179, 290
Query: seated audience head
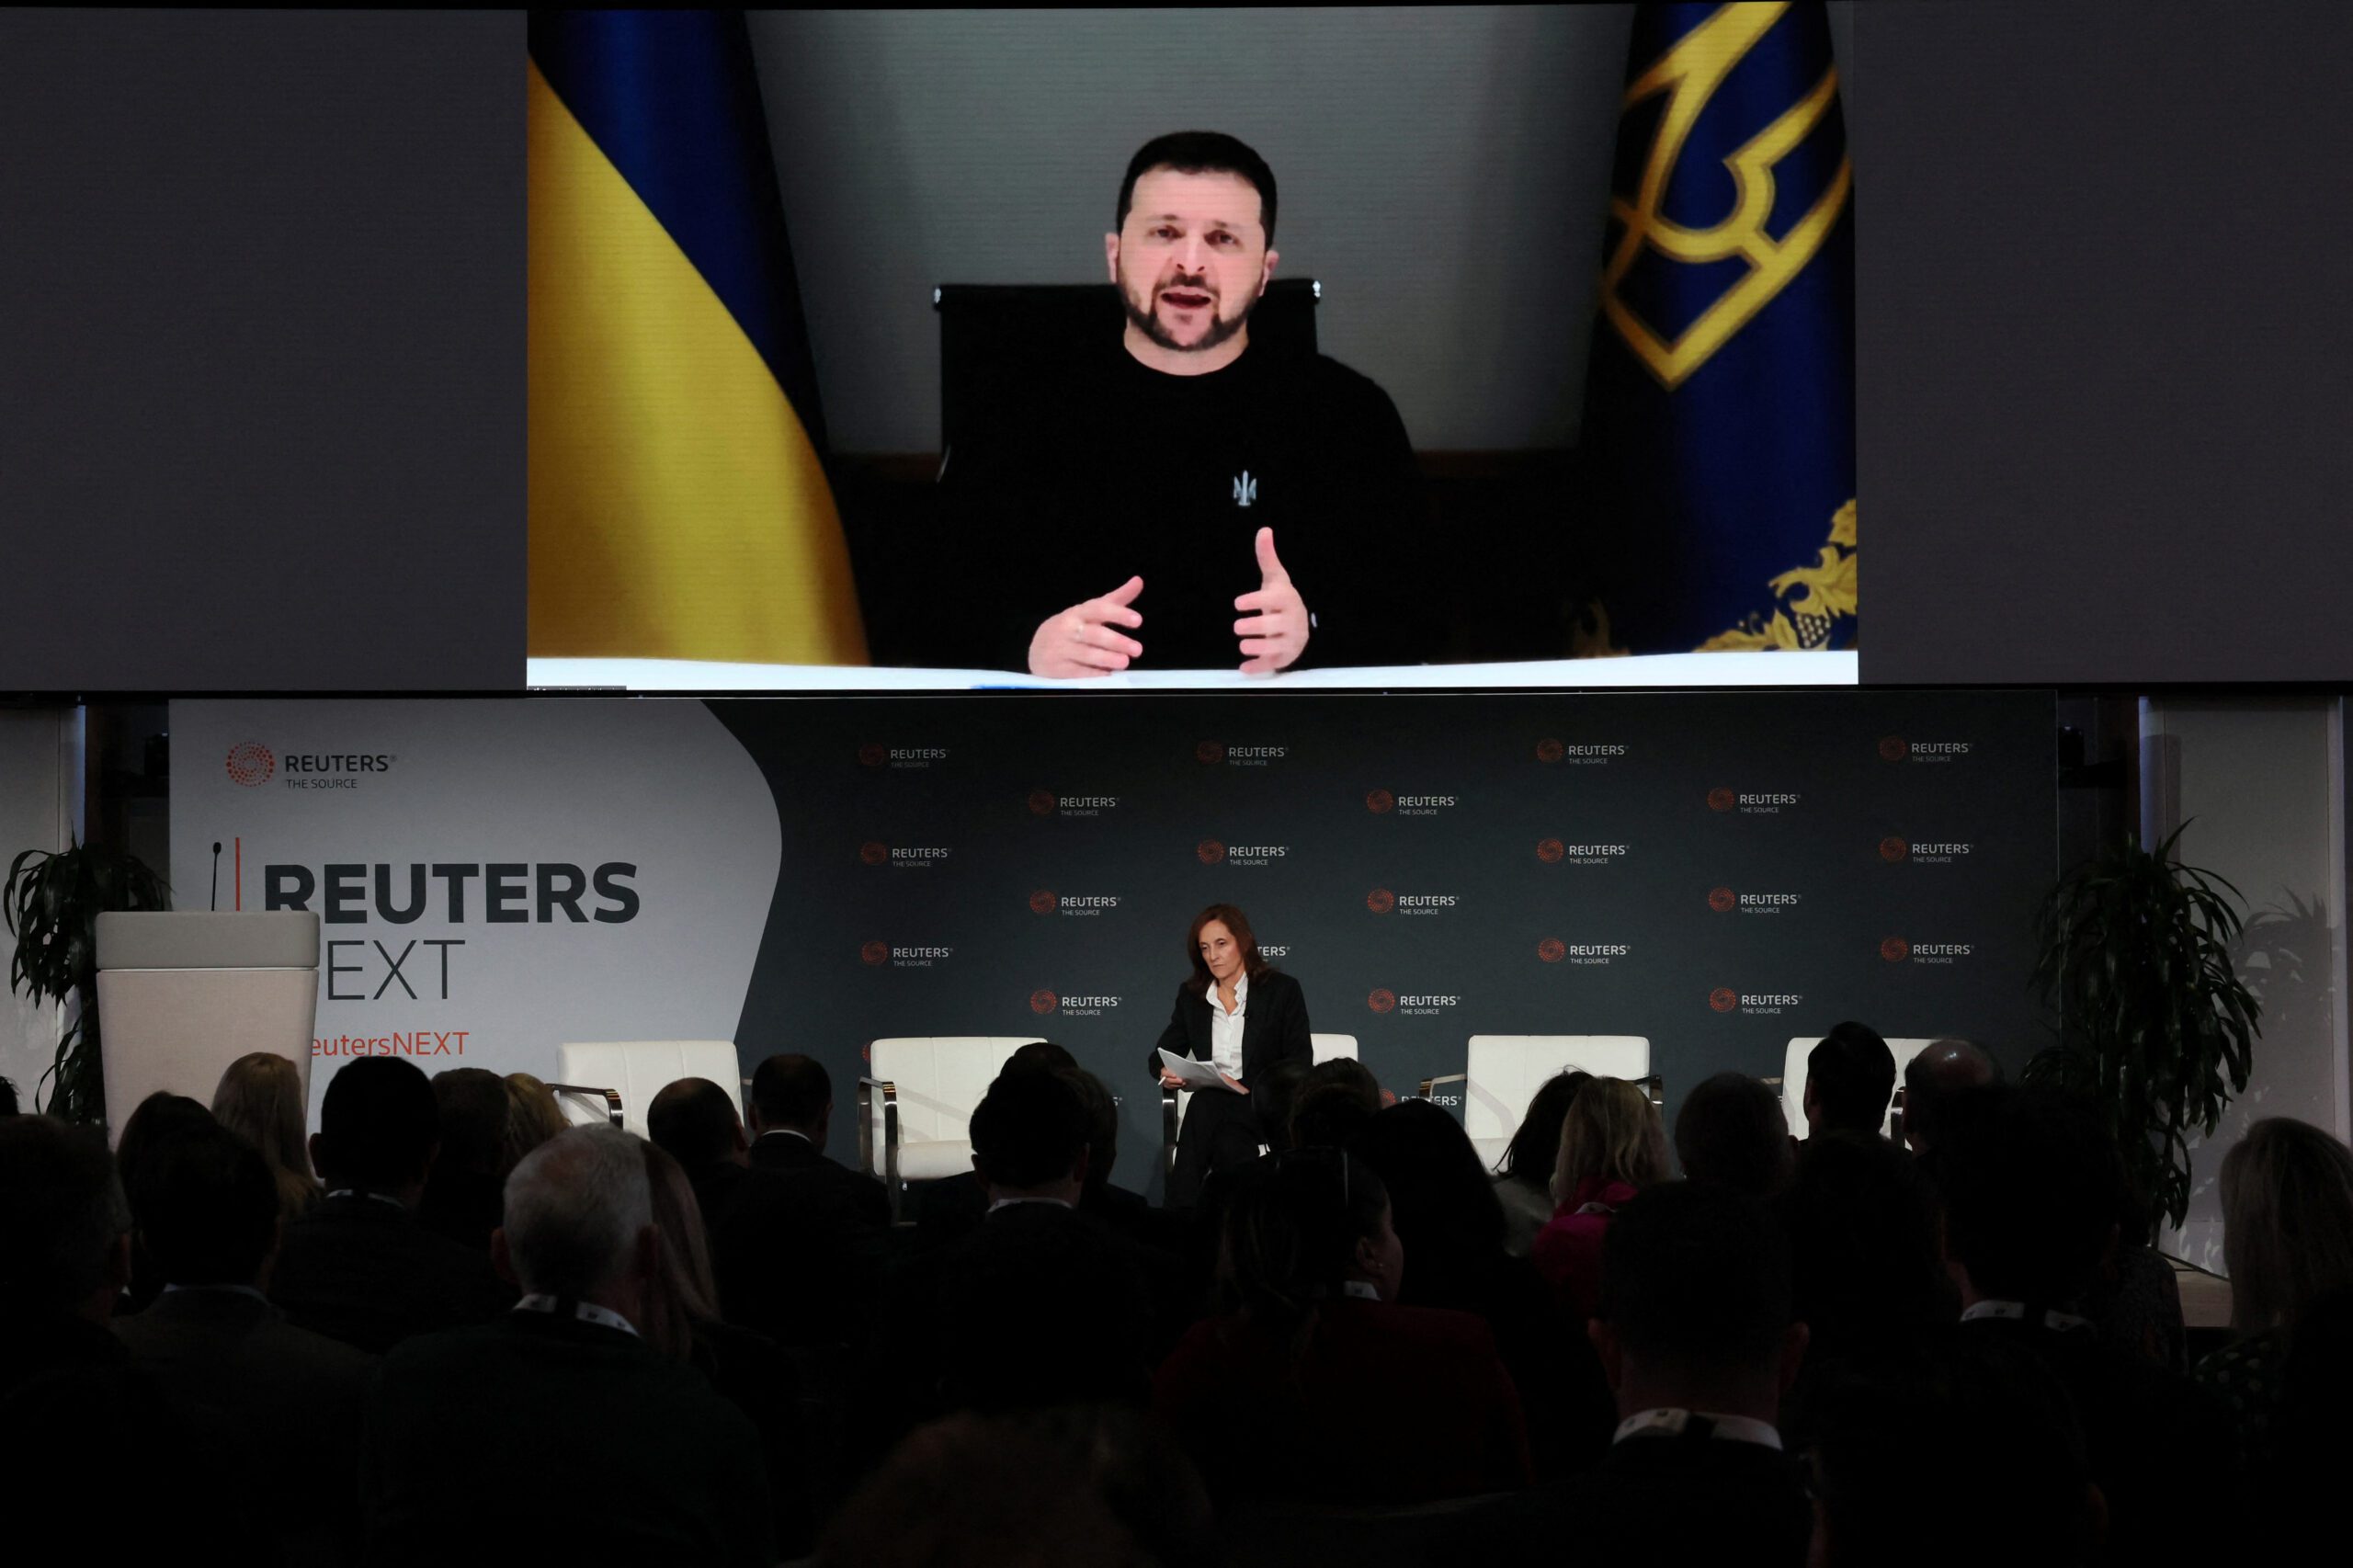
1297, 1229
580, 1220
1946, 1068
1992, 1429
1334, 1101
1849, 1081
1102, 1125
793, 1094
2028, 1180
681, 1292
1862, 1229
208, 1209
2287, 1221
1696, 1308
1276, 1097
694, 1121
161, 1116
1611, 1136
1731, 1132
64, 1225
379, 1129
1042, 1053
1030, 1138
1442, 1205
532, 1118
471, 1108
260, 1099
8, 1098
1535, 1149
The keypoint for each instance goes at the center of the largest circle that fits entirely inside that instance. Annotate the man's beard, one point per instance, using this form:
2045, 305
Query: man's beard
1149, 322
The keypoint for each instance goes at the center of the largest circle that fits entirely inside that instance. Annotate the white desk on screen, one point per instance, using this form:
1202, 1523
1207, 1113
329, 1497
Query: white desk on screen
1647, 670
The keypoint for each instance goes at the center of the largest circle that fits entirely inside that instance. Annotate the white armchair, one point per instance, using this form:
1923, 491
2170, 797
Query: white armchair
1793, 1080
915, 1106
616, 1080
1504, 1071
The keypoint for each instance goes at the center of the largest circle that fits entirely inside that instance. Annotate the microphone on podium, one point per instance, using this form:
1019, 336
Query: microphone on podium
216, 874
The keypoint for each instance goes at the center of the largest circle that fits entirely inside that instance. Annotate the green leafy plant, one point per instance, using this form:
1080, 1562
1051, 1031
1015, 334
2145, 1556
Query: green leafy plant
2134, 956
51, 902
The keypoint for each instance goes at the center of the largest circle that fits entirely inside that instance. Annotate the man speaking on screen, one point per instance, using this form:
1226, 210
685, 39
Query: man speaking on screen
1187, 500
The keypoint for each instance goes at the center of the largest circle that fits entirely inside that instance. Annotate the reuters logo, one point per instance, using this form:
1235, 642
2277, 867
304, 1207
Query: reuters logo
1380, 800
1381, 1001
1895, 949
1042, 902
1043, 1001
1892, 849
1550, 750
1208, 752
1549, 850
1724, 998
1893, 749
1721, 899
1209, 851
1041, 802
1722, 800
1551, 950
874, 755
251, 763
875, 952
873, 854
1381, 901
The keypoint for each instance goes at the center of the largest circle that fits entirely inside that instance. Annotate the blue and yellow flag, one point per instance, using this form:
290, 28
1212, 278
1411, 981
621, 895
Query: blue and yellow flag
678, 503
1720, 404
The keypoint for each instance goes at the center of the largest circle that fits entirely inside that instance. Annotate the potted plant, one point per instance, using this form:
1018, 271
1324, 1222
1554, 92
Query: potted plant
2134, 956
51, 902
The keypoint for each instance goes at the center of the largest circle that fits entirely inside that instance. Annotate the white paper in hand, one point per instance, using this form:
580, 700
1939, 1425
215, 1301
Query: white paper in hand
1195, 1074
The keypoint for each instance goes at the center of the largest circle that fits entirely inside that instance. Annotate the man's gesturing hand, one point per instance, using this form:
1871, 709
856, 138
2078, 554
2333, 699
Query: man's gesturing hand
1080, 641
1275, 637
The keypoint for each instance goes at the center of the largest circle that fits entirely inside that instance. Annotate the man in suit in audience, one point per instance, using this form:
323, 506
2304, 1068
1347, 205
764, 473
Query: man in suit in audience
1696, 1340
207, 1215
795, 1255
2028, 1180
792, 1110
1849, 1081
481, 1437
358, 1268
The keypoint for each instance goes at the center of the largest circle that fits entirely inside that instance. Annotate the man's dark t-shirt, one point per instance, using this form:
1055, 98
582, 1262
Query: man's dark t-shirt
1123, 471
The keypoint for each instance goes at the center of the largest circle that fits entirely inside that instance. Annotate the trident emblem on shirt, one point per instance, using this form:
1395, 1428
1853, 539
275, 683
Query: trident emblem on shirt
1245, 489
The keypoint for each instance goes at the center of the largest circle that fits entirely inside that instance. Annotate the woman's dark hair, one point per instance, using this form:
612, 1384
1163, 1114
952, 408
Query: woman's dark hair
1536, 1145
1236, 922
1290, 1234
156, 1119
1441, 1203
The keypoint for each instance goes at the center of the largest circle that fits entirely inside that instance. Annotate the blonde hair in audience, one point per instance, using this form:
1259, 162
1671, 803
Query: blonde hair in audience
260, 1099
1611, 1133
2287, 1221
532, 1118
682, 1294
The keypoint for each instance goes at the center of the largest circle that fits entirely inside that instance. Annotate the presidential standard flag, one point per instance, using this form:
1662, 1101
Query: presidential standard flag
678, 506
1720, 404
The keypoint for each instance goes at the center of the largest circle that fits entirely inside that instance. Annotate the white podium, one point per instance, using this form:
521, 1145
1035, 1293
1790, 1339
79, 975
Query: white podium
182, 994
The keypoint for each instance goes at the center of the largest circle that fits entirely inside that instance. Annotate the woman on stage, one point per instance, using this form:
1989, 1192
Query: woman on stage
1241, 1017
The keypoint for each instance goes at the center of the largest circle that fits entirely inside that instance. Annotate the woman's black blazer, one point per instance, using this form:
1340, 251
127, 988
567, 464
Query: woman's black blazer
1274, 1030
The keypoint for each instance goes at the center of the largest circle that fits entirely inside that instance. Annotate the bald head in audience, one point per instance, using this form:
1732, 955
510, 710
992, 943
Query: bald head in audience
694, 1121
1946, 1068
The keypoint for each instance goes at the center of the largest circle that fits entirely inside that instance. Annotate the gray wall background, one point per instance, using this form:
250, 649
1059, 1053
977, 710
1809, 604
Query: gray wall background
1443, 171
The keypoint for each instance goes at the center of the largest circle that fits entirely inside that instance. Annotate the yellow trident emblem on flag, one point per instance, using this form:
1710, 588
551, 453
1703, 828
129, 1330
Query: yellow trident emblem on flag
1690, 73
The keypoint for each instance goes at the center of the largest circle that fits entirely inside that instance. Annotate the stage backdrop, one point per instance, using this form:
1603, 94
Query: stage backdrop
1718, 872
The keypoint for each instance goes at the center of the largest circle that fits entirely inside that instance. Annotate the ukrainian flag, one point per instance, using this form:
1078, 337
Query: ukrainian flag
678, 502
1719, 406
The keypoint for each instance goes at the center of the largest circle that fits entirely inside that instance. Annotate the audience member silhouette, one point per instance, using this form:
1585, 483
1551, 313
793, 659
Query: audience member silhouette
1696, 1338
1313, 1384
792, 1112
532, 1118
208, 1209
1946, 1068
1335, 1100
7, 1098
1524, 1175
2027, 1183
585, 1409
153, 1122
1849, 1081
462, 1197
261, 1098
1731, 1132
2287, 1243
358, 1268
1612, 1146
1989, 1427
